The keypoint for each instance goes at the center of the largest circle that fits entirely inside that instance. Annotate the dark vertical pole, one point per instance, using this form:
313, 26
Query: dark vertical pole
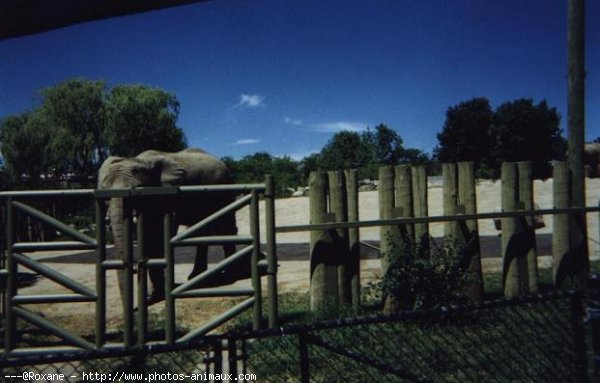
594, 314
304, 359
233, 356
100, 271
142, 279
128, 272
271, 251
169, 279
576, 127
10, 329
255, 232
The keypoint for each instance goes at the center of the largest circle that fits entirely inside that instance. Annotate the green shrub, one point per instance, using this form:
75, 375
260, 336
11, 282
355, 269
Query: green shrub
417, 280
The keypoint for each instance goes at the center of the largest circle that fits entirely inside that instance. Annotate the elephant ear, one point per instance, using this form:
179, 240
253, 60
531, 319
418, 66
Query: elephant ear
171, 172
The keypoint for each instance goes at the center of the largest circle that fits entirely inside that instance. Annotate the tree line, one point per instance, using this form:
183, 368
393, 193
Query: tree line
79, 122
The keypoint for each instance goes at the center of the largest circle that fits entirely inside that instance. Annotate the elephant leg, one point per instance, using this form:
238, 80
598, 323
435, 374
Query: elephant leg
200, 261
153, 248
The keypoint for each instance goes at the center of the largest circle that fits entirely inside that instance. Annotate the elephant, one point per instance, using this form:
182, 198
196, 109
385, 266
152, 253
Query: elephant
156, 168
591, 159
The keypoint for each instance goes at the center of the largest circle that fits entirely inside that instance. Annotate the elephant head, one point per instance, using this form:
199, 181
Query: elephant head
155, 168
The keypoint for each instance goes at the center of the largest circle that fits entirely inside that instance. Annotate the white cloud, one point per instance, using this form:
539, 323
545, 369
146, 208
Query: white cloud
246, 141
338, 126
250, 101
293, 121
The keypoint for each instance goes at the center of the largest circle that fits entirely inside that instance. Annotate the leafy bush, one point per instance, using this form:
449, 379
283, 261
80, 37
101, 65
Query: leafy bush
417, 280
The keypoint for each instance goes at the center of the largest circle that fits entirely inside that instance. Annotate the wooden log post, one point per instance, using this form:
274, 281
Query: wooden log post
389, 234
526, 200
339, 209
450, 198
419, 194
323, 268
469, 230
560, 224
404, 202
513, 267
579, 263
353, 236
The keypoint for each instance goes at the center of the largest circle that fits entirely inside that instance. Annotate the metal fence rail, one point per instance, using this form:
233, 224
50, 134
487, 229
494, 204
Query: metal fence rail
12, 258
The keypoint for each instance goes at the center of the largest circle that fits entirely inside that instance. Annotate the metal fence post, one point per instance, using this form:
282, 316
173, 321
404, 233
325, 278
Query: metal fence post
100, 272
11, 288
169, 280
304, 358
271, 251
594, 314
142, 278
255, 232
128, 272
232, 355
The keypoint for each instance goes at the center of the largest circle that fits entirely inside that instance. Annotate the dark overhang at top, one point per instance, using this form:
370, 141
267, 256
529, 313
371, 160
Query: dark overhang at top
25, 17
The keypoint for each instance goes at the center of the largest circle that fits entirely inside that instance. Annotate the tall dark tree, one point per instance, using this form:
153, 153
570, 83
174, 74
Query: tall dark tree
465, 135
385, 144
74, 111
139, 118
345, 150
24, 139
522, 131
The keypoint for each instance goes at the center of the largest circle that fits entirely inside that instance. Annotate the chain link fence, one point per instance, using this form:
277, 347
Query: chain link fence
159, 363
535, 339
538, 339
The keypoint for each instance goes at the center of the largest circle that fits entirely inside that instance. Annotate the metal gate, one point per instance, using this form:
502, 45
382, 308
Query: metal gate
13, 301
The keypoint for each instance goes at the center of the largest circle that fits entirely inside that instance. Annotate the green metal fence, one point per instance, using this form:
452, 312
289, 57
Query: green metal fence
135, 316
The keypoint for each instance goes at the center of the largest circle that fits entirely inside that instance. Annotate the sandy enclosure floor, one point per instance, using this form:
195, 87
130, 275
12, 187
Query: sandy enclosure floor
295, 211
293, 275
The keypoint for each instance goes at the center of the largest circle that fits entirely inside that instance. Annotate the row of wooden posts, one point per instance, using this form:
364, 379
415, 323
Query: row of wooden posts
335, 254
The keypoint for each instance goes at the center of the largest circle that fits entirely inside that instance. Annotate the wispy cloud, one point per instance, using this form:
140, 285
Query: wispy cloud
246, 141
249, 101
293, 121
338, 126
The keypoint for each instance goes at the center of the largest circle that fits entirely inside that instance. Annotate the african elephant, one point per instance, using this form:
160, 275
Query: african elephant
591, 159
155, 168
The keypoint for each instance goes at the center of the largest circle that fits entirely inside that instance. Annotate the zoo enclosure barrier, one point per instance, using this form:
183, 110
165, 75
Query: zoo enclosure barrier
13, 258
534, 339
404, 217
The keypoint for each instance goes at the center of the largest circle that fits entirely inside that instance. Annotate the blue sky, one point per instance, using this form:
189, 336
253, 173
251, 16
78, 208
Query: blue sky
284, 76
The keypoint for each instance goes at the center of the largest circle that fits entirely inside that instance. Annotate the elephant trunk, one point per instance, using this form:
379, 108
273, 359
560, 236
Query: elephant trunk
116, 215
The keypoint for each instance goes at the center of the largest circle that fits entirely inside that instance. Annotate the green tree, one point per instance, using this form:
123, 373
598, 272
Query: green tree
385, 145
74, 111
465, 135
24, 146
255, 167
345, 150
139, 118
309, 164
522, 131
